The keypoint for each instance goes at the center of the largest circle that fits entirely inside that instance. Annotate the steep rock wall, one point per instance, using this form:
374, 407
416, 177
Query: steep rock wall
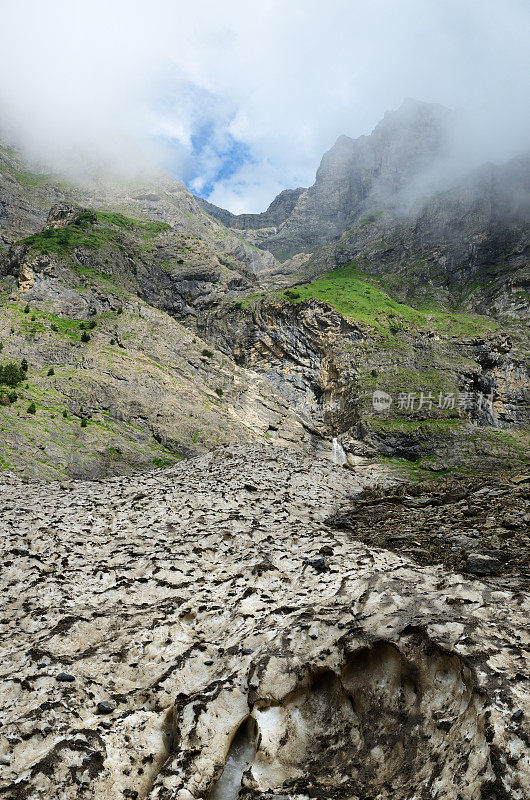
328, 368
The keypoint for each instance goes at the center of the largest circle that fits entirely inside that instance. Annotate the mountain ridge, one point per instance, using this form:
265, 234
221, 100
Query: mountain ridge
288, 352
353, 175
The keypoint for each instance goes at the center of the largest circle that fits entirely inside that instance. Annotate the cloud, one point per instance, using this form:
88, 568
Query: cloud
241, 100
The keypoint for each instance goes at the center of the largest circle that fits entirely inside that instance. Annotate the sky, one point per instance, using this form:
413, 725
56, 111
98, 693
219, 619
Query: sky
241, 99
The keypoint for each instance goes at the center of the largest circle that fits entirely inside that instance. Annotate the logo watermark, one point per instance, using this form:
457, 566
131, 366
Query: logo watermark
381, 400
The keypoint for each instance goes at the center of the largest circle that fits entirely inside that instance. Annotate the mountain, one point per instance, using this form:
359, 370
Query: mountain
375, 201
27, 196
265, 525
355, 176
142, 389
196, 336
279, 210
467, 247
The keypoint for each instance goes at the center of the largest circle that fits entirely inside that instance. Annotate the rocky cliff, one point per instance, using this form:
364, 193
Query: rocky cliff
93, 303
114, 383
356, 175
375, 201
465, 248
456, 388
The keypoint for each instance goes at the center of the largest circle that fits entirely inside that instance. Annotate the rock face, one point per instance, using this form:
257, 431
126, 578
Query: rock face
129, 385
328, 368
217, 636
377, 200
467, 247
304, 370
299, 349
354, 176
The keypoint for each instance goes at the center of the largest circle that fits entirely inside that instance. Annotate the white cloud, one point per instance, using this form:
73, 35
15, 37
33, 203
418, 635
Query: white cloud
199, 85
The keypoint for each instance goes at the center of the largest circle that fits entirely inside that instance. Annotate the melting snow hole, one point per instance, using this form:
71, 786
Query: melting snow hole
240, 757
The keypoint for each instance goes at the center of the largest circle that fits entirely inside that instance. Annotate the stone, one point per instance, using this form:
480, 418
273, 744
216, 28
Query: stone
104, 707
64, 677
481, 564
319, 564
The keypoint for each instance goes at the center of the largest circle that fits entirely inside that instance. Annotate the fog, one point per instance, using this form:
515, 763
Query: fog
241, 100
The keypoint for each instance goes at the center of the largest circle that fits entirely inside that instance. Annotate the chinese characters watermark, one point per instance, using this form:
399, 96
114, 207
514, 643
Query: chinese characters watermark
428, 400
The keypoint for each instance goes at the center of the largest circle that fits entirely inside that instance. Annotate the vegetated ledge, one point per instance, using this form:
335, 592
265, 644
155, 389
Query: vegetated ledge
92, 230
356, 296
333, 350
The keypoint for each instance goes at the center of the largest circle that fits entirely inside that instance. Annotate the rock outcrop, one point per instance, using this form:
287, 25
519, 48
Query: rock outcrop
116, 383
300, 349
328, 368
468, 247
201, 631
354, 176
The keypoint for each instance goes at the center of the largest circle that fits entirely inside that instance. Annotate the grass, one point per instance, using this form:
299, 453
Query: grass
166, 462
397, 377
425, 427
62, 326
31, 179
127, 223
367, 219
92, 231
353, 296
25, 178
420, 470
356, 296
503, 437
62, 241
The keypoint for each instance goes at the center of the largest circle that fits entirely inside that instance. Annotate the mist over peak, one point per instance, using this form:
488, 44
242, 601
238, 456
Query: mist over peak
239, 116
